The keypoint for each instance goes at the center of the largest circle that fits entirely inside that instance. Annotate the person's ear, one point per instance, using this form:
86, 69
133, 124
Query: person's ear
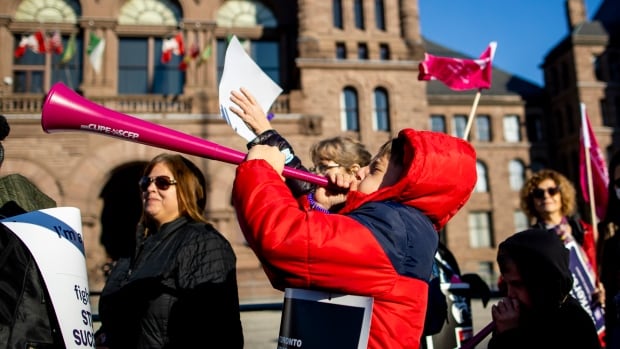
354, 168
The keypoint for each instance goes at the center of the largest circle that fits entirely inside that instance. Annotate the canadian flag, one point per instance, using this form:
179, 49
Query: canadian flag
35, 42
172, 46
55, 43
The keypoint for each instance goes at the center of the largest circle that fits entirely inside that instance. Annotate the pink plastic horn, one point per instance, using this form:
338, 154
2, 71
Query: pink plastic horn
65, 110
478, 337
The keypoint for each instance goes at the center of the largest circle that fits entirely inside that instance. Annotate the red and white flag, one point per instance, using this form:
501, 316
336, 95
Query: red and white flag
172, 46
35, 42
600, 176
55, 43
459, 74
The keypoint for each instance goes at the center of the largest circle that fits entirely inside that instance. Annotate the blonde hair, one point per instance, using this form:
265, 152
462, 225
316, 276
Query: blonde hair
567, 192
344, 151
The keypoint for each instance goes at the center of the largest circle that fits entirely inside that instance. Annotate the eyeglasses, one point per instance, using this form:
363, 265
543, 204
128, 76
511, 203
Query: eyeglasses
161, 182
539, 193
320, 168
617, 182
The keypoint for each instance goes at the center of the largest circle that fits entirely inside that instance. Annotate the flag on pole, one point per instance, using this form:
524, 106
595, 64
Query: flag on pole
192, 53
600, 177
55, 43
205, 54
459, 74
172, 46
94, 50
35, 42
70, 50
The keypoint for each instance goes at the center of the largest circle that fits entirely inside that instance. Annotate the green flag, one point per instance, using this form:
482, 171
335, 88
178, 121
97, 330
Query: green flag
204, 56
69, 50
95, 51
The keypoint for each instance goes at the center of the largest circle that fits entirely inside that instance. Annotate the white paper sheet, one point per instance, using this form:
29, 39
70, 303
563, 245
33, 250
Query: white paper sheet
241, 71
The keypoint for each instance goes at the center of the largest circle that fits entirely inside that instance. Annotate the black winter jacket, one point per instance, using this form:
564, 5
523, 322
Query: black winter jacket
178, 291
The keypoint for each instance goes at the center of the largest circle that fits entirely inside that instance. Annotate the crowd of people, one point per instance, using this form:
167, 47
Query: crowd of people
372, 231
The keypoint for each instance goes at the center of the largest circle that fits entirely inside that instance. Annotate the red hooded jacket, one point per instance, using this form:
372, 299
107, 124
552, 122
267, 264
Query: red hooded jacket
380, 245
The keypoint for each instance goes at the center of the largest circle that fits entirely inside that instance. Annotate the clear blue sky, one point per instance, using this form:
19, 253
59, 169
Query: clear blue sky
525, 30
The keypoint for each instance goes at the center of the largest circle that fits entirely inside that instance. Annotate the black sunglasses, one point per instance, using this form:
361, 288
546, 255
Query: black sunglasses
617, 182
161, 182
539, 193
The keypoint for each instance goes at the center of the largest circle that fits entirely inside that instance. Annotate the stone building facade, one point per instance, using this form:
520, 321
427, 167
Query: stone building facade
346, 68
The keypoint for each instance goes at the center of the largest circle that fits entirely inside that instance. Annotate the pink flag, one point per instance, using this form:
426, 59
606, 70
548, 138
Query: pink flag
459, 74
600, 177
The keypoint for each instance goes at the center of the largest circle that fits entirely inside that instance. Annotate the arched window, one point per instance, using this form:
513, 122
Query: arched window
349, 110
140, 66
358, 12
381, 110
516, 173
36, 72
482, 185
265, 50
337, 14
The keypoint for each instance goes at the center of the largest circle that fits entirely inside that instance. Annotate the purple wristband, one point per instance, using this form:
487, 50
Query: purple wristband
315, 205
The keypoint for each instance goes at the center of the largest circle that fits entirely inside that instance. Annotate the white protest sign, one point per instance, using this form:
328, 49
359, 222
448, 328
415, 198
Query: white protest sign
241, 71
54, 238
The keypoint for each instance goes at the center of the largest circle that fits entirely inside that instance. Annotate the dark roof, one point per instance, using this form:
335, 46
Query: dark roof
502, 82
608, 14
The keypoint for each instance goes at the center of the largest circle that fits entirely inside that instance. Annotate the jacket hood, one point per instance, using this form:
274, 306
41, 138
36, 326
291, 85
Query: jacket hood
438, 178
543, 262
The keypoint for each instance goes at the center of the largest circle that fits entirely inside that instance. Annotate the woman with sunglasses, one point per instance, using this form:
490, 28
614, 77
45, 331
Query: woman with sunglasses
609, 256
179, 289
548, 198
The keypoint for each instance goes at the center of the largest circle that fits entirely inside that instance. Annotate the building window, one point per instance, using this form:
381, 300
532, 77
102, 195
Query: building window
458, 125
141, 70
438, 123
483, 128
482, 185
341, 50
362, 51
381, 110
384, 52
349, 110
516, 174
337, 13
37, 72
358, 11
480, 229
511, 129
264, 50
380, 14
520, 220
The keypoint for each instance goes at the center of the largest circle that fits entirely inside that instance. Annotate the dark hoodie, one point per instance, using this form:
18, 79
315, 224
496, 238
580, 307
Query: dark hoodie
556, 319
382, 245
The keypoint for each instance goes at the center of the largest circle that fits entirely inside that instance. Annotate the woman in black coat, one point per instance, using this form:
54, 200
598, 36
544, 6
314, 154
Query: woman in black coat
179, 289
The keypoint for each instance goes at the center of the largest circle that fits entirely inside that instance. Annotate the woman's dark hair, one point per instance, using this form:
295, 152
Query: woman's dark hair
191, 186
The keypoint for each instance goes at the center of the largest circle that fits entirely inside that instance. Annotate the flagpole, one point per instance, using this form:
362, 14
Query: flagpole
587, 145
470, 119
